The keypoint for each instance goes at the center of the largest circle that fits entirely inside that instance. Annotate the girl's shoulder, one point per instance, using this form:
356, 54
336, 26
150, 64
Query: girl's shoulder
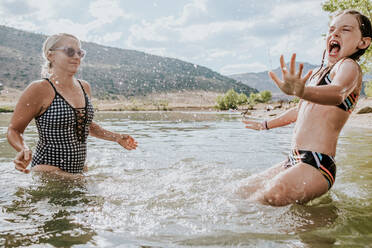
346, 65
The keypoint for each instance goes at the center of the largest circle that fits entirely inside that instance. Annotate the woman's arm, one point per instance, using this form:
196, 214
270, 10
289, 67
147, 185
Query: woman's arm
124, 140
29, 105
283, 119
97, 131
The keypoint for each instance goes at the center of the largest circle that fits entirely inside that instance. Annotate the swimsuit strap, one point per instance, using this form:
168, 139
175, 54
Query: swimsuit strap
81, 85
50, 82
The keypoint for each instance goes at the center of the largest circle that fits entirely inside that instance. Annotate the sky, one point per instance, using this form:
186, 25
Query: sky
227, 36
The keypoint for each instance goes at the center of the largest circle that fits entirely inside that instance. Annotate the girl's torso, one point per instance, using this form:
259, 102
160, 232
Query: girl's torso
318, 126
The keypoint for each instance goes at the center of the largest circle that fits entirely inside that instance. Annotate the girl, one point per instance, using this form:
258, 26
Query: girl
325, 106
63, 113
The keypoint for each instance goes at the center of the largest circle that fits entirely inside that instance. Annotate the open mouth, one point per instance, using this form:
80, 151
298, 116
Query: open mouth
334, 48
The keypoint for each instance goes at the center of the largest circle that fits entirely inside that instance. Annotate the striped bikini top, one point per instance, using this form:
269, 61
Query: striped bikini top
349, 103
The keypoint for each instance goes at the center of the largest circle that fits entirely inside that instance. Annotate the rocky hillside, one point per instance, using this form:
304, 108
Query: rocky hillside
110, 71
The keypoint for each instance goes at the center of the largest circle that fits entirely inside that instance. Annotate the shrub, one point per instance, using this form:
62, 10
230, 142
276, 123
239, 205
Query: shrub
265, 96
254, 98
242, 99
231, 100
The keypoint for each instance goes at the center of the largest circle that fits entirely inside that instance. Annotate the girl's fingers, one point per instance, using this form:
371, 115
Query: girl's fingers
282, 64
307, 76
292, 68
247, 122
275, 78
300, 69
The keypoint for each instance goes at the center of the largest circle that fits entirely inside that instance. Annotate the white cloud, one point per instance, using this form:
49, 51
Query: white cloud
201, 32
219, 53
192, 10
107, 11
68, 26
46, 10
297, 9
110, 37
149, 31
18, 22
242, 68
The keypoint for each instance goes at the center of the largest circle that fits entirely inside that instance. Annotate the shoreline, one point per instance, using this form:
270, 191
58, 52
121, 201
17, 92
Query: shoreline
199, 101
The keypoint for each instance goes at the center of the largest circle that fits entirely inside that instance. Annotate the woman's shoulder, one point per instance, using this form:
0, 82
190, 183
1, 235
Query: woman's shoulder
41, 86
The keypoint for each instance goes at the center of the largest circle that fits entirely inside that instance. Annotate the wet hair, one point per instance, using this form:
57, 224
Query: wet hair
366, 31
49, 44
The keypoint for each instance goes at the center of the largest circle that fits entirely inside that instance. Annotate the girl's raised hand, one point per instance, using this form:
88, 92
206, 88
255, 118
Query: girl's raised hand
292, 82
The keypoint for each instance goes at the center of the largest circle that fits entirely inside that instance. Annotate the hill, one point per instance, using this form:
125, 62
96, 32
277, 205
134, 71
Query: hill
110, 71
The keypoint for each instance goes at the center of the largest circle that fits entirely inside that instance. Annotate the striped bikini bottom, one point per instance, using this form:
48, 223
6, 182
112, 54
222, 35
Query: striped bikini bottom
322, 162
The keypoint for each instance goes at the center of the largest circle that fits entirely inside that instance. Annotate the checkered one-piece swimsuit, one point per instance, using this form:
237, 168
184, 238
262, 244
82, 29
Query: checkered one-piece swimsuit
63, 132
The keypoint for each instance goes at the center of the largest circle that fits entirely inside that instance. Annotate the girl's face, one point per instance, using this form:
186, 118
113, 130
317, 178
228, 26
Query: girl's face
62, 59
344, 37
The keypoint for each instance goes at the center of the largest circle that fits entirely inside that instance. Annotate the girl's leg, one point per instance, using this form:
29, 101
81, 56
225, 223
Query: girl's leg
257, 181
298, 184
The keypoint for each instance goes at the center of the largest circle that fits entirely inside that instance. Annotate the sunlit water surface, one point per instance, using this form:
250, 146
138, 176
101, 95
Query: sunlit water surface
177, 189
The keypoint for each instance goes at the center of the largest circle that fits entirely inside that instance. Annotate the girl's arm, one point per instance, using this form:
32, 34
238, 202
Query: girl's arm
343, 84
346, 79
283, 119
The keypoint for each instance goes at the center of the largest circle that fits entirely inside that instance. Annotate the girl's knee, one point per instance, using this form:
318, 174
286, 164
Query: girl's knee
275, 199
277, 196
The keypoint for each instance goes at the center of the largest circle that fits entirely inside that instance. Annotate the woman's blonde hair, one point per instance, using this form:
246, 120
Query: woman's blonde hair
48, 45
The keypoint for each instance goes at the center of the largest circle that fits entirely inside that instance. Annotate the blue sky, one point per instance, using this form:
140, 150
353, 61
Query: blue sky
235, 36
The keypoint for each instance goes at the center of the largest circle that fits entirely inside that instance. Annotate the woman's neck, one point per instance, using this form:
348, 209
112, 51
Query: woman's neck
62, 78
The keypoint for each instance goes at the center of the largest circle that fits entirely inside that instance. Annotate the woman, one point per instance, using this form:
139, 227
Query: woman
325, 106
63, 113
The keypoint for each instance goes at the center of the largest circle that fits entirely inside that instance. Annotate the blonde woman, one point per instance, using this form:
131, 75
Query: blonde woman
61, 107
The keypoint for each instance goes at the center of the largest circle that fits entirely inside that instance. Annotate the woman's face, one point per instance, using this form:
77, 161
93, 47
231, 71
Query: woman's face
62, 59
344, 37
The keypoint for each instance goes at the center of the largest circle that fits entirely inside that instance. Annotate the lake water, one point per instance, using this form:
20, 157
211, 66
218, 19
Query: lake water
177, 189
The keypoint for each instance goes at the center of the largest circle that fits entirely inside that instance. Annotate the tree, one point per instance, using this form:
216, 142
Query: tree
363, 6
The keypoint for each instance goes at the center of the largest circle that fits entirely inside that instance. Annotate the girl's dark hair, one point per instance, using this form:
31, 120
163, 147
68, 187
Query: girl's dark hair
365, 29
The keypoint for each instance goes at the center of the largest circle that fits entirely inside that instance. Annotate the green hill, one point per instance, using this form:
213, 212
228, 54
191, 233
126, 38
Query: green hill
110, 71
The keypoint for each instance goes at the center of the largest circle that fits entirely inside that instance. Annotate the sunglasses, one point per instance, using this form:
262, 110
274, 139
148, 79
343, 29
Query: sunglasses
70, 52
